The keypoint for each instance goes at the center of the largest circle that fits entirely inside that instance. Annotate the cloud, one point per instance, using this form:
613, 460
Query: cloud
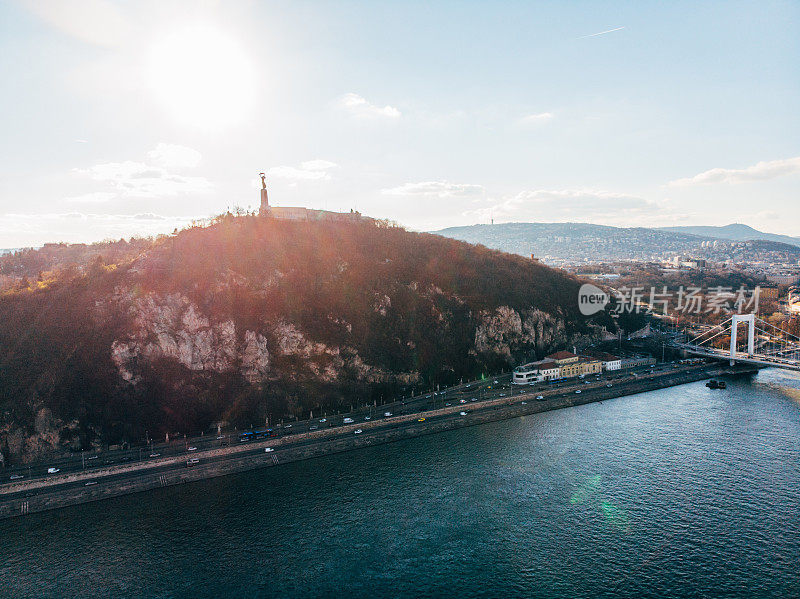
438, 189
358, 106
310, 170
175, 156
318, 165
131, 178
548, 205
536, 119
759, 172
23, 230
95, 197
138, 179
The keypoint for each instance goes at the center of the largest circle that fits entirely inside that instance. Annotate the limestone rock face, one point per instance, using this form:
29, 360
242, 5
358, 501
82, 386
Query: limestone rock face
505, 330
171, 326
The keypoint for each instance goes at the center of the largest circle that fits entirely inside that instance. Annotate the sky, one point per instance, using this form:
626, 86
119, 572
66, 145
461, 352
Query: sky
122, 119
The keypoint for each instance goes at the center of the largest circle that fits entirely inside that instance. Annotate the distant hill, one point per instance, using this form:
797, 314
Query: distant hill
559, 243
251, 319
736, 232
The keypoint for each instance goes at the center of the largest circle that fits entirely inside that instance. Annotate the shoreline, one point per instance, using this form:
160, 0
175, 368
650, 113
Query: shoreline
72, 489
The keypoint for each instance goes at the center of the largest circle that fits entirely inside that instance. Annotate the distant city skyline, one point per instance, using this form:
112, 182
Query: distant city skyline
133, 119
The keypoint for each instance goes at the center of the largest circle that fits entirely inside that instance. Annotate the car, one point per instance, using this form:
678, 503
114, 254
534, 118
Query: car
524, 403
313, 427
323, 420
367, 417
220, 437
288, 426
53, 470
502, 395
155, 455
90, 483
347, 421
462, 413
92, 457
578, 391
358, 431
495, 382
192, 448
447, 404
463, 401
474, 399
387, 414
192, 461
421, 419
15, 477
540, 397
609, 385
268, 449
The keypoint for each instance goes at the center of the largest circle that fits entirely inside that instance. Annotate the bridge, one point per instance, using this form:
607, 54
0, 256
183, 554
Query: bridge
760, 343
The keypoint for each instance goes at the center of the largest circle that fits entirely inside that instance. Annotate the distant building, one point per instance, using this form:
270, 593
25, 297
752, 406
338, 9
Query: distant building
590, 365
609, 361
782, 278
535, 372
299, 212
637, 361
568, 363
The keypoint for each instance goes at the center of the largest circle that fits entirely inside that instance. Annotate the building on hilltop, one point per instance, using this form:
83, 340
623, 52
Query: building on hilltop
299, 212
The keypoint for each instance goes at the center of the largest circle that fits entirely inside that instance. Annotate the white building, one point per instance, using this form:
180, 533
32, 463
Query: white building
610, 361
536, 372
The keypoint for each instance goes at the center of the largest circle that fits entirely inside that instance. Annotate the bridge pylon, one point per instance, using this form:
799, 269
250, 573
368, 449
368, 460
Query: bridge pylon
750, 319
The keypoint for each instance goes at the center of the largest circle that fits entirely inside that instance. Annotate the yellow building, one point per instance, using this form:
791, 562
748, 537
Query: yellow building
567, 362
590, 365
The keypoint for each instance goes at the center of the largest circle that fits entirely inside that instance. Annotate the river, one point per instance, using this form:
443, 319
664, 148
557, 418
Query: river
681, 492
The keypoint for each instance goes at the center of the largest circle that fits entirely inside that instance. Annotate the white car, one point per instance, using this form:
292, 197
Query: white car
463, 401
323, 420
348, 421
540, 397
358, 431
367, 417
192, 448
609, 385
387, 414
90, 483
155, 455
53, 470
462, 413
578, 391
524, 403
15, 477
268, 449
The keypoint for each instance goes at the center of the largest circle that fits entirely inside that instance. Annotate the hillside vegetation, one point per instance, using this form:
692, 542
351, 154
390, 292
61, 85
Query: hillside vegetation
251, 319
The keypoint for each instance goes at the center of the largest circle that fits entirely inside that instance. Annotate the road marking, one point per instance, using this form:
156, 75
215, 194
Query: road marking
274, 459
163, 480
24, 507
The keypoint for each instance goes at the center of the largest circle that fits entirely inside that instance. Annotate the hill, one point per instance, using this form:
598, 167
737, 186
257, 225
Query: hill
735, 232
575, 243
252, 319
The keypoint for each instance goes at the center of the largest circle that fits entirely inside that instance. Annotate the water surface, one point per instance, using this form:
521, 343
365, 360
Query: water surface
682, 492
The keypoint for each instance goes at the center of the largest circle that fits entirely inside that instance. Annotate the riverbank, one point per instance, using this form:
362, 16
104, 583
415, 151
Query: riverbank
60, 491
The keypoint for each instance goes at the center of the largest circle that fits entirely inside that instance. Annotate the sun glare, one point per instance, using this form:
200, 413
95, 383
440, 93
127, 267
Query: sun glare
202, 77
